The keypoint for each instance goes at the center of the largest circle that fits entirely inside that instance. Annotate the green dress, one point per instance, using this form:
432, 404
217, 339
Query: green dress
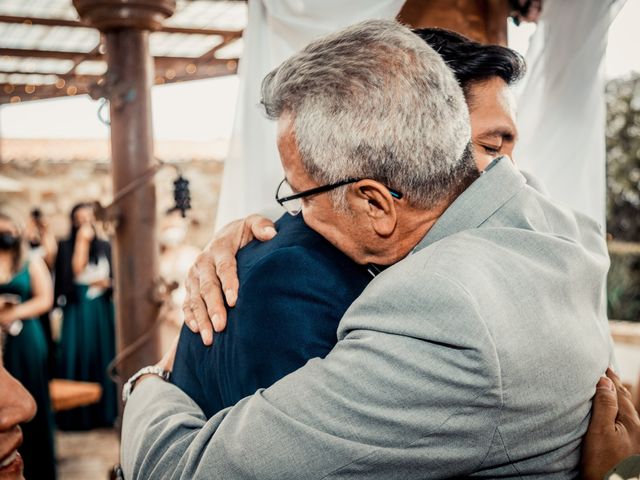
25, 357
87, 346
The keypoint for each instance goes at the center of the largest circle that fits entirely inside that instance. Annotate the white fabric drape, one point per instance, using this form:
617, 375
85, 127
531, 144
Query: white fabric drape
276, 29
561, 109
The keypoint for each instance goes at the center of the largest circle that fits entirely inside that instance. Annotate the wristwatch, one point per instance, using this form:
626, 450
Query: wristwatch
131, 383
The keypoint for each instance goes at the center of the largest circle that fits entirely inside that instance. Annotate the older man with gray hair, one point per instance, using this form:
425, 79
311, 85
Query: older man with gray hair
474, 354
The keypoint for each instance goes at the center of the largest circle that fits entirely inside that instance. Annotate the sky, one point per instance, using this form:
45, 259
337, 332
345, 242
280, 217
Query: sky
203, 110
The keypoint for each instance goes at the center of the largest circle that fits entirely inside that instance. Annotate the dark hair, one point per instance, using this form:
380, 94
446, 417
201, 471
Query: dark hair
74, 210
95, 250
17, 251
471, 61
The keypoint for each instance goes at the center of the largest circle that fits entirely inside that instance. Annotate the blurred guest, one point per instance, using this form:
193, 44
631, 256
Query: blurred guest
176, 257
25, 293
87, 343
41, 240
42, 244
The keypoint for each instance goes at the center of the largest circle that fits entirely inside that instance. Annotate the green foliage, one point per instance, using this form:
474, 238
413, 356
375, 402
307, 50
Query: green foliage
623, 158
623, 282
623, 196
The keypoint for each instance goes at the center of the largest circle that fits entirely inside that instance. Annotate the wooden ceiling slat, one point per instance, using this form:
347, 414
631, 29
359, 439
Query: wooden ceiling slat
168, 69
91, 55
56, 54
61, 22
27, 72
162, 64
83, 83
64, 76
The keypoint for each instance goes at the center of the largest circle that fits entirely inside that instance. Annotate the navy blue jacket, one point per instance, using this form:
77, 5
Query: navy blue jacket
293, 292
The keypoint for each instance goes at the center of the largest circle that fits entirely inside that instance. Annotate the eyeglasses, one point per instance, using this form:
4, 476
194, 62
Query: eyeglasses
292, 202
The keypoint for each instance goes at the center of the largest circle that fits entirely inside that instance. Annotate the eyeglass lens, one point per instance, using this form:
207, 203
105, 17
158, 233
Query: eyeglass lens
291, 206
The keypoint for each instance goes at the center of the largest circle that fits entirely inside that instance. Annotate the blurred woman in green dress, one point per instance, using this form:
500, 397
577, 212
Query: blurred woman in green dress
25, 293
87, 341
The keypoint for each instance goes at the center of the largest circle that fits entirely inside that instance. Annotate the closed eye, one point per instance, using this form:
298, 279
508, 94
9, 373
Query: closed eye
491, 150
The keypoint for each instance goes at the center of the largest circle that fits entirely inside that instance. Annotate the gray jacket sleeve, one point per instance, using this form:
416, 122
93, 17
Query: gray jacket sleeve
412, 386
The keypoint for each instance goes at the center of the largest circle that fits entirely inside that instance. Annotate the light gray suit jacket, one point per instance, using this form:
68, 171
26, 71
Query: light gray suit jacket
477, 355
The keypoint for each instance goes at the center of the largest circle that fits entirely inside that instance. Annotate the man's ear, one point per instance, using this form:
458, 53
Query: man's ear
374, 200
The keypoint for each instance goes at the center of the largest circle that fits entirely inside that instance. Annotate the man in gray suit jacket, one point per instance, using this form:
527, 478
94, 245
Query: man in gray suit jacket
475, 353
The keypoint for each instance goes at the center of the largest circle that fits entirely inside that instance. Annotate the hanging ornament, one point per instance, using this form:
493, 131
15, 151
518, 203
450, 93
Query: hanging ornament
181, 194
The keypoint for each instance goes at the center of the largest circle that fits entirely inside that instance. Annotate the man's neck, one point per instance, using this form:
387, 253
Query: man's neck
412, 227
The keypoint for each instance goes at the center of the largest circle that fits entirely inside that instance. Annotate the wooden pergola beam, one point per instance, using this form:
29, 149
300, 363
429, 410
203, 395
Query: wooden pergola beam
11, 91
49, 22
83, 84
91, 55
211, 54
161, 63
62, 22
51, 54
212, 68
71, 77
6, 71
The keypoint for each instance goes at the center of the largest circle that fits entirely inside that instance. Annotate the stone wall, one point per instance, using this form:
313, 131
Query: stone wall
55, 186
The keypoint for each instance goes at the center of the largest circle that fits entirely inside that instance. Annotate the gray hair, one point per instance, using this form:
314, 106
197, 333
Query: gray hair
374, 101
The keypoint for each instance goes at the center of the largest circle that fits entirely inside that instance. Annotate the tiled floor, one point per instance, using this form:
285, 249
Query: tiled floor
86, 455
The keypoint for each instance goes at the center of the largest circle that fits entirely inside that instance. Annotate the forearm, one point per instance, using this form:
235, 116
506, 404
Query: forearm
33, 308
104, 283
50, 247
80, 257
165, 435
340, 415
324, 418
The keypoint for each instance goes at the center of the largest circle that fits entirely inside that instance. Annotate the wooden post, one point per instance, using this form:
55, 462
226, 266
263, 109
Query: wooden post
482, 20
130, 74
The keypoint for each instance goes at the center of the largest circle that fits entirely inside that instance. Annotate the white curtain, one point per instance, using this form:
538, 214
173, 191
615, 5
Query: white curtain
276, 29
561, 110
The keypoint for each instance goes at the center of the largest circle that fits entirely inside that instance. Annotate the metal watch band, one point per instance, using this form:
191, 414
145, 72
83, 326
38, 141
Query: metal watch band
131, 383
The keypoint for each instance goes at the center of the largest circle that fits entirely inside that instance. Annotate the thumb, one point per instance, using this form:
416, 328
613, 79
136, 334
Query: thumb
262, 228
605, 405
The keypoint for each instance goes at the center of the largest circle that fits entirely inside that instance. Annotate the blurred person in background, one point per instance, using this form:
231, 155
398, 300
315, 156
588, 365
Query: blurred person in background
41, 240
176, 256
25, 293
83, 279
43, 244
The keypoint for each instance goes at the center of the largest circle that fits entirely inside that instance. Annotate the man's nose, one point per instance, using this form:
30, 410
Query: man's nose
18, 406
